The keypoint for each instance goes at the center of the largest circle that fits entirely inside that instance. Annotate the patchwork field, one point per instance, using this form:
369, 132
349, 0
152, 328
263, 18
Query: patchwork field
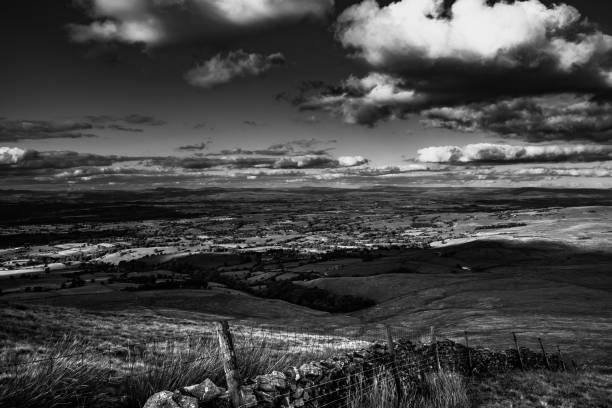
534, 262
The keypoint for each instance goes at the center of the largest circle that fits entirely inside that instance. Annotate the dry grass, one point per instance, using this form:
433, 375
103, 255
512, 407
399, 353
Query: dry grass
121, 367
111, 370
93, 376
54, 380
106, 374
433, 390
544, 389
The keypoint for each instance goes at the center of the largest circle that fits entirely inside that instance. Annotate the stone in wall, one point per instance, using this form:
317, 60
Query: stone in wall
322, 382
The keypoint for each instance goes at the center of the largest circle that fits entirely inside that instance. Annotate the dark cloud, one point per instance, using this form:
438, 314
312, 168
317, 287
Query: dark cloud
14, 130
301, 147
235, 162
137, 119
426, 54
132, 119
35, 160
75, 167
100, 119
195, 147
364, 101
251, 123
124, 128
203, 125
230, 152
297, 154
222, 69
535, 119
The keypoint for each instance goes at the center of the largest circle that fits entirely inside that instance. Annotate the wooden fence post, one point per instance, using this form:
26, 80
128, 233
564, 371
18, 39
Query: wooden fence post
230, 366
561, 358
110, 363
394, 371
435, 343
518, 350
544, 353
575, 365
469, 355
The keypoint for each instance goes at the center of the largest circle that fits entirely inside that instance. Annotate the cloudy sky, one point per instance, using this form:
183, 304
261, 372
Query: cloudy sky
124, 93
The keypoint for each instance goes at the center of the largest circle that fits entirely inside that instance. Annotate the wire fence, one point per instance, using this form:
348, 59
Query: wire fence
307, 342
133, 370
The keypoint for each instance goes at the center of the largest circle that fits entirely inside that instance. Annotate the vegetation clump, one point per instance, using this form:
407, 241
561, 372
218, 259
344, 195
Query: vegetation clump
316, 298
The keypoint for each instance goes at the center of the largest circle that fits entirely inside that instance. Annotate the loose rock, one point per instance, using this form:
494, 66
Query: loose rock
185, 401
163, 399
205, 391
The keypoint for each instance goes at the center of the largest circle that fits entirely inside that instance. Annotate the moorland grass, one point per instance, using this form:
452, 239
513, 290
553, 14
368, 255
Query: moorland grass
87, 369
444, 389
72, 373
120, 366
582, 389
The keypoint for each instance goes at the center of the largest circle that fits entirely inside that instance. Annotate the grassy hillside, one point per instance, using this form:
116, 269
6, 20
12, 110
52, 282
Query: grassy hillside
543, 389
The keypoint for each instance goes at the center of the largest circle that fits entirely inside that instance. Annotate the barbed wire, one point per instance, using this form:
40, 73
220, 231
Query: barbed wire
383, 367
290, 345
289, 342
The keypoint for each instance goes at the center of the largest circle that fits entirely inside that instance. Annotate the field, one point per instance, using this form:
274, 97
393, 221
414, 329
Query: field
167, 263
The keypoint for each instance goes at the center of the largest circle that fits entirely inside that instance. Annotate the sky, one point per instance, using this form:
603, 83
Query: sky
104, 94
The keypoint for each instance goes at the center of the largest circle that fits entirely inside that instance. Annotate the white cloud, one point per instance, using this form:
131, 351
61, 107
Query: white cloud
11, 155
318, 161
380, 88
146, 31
429, 54
251, 11
489, 152
236, 64
502, 34
307, 161
440, 154
563, 172
153, 22
351, 161
366, 100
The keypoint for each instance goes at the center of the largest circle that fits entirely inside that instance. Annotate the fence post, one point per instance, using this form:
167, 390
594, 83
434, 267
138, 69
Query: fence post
230, 366
469, 355
110, 363
544, 353
575, 365
561, 358
518, 350
435, 343
394, 371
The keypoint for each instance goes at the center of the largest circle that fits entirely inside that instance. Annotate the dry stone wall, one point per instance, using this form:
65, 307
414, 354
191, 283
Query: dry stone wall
320, 383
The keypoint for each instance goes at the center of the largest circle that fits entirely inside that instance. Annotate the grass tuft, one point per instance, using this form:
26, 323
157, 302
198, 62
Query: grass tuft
107, 374
433, 390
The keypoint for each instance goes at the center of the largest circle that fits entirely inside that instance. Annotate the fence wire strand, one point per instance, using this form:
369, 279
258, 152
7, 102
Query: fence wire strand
289, 346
